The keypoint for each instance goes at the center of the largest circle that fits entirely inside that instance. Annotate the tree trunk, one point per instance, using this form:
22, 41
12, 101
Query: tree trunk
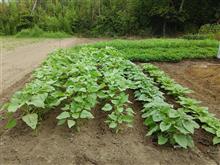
35, 4
164, 28
181, 6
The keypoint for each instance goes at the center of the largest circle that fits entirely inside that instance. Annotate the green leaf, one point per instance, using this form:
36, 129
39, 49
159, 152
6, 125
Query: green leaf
164, 126
11, 123
31, 120
75, 115
173, 114
152, 130
112, 125
157, 117
12, 107
162, 140
218, 133
63, 115
86, 115
61, 122
209, 129
181, 140
216, 140
188, 126
38, 100
71, 123
107, 108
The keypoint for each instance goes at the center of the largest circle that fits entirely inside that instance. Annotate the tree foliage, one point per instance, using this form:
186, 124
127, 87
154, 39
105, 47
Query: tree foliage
108, 17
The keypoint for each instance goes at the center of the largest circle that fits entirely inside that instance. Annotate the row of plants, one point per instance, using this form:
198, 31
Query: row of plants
164, 123
190, 106
163, 49
77, 81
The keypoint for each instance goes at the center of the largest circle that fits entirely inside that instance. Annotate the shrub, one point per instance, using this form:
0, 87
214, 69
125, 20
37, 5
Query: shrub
198, 36
209, 28
38, 32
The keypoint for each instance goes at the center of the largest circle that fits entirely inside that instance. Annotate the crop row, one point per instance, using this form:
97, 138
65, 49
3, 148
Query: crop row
190, 106
163, 49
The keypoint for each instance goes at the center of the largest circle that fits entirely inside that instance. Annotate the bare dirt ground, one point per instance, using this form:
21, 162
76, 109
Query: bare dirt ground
17, 64
95, 144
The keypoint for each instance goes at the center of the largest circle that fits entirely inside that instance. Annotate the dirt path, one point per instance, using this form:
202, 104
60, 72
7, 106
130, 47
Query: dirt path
16, 65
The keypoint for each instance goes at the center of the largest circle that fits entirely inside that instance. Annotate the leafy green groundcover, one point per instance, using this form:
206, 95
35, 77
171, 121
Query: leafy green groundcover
163, 49
76, 80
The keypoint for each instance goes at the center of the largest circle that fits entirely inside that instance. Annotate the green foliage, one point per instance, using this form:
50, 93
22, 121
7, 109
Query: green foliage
163, 49
108, 17
76, 80
36, 32
209, 29
191, 106
198, 36
167, 124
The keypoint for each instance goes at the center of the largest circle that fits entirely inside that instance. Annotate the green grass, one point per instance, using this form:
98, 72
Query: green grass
36, 32
163, 49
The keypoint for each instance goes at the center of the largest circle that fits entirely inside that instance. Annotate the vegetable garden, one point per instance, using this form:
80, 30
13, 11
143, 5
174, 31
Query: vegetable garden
77, 80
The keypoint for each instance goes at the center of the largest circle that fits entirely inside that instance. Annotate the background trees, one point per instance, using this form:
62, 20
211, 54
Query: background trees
108, 17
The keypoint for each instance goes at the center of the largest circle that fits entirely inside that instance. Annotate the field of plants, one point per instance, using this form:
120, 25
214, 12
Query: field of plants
75, 84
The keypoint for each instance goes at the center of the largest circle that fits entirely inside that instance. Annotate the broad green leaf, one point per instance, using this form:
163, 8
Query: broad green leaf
31, 120
188, 126
61, 122
216, 140
127, 119
11, 123
86, 115
113, 116
218, 133
75, 115
71, 123
181, 140
164, 126
112, 125
13, 107
157, 117
162, 140
152, 130
107, 107
208, 129
173, 114
38, 100
63, 115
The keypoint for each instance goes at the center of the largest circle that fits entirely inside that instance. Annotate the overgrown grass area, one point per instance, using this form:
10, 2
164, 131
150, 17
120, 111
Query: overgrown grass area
163, 49
36, 32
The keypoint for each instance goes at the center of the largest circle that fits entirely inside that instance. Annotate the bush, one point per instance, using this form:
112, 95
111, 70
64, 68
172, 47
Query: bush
38, 32
209, 28
198, 36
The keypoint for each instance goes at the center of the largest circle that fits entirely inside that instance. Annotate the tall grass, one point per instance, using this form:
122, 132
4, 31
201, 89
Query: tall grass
36, 32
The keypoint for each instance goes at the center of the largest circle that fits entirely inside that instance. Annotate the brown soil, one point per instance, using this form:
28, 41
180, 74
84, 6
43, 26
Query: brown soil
96, 144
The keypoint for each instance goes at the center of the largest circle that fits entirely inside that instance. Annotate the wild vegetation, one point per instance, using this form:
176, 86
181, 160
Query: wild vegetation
110, 17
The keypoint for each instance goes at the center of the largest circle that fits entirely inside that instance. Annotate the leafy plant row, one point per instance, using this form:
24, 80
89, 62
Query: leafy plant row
190, 106
165, 123
75, 82
163, 49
